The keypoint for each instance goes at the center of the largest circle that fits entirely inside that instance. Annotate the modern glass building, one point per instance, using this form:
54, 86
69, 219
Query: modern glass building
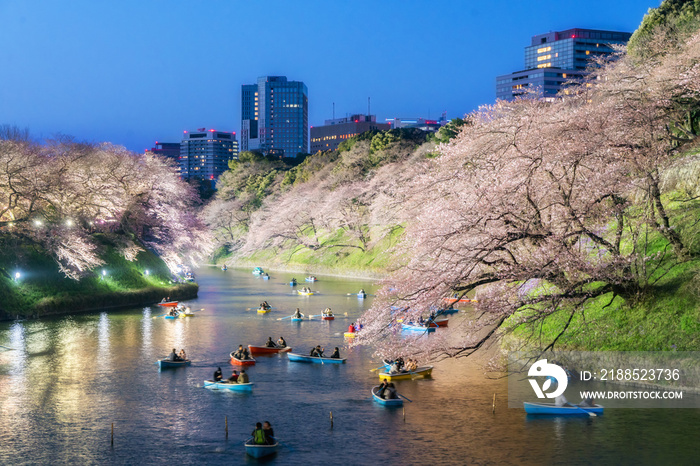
204, 154
557, 59
275, 116
333, 132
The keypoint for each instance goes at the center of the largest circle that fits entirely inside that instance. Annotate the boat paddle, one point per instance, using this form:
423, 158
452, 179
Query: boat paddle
591, 414
406, 398
375, 370
8, 348
155, 317
288, 317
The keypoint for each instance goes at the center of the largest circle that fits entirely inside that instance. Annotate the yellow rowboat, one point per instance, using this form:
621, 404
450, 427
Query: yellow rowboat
403, 375
263, 311
350, 334
182, 316
305, 293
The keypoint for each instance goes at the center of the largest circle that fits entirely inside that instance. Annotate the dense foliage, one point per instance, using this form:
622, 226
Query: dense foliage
61, 196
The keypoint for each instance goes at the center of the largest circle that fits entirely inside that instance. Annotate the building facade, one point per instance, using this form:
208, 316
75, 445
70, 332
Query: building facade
557, 59
275, 116
204, 154
333, 132
419, 123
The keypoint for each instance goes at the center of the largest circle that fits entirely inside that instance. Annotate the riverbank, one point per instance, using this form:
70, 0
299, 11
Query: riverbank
32, 286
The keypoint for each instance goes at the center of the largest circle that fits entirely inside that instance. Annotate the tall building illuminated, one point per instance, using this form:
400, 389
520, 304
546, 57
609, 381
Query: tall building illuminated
554, 58
204, 154
275, 116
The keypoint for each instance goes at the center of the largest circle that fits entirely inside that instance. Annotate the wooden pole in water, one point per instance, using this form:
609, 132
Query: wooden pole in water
112, 434
494, 404
404, 413
331, 419
226, 424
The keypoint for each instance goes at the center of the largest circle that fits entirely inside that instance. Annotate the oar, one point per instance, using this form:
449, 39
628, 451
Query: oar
380, 367
410, 401
587, 412
8, 348
288, 317
155, 317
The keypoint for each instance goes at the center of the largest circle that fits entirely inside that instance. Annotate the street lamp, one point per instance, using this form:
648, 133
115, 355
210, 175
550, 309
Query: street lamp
17, 276
104, 273
147, 272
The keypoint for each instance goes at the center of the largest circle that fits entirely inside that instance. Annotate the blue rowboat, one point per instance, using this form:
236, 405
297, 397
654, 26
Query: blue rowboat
361, 295
236, 387
552, 409
446, 311
310, 279
297, 319
260, 451
411, 327
300, 358
166, 363
383, 402
258, 271
293, 283
266, 277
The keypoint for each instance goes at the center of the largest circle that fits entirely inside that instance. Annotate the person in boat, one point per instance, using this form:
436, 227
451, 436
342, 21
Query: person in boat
351, 328
298, 314
217, 375
241, 353
336, 353
562, 401
294, 280
163, 300
269, 343
243, 377
317, 352
182, 355
259, 435
234, 377
281, 343
362, 291
327, 312
394, 368
390, 393
411, 365
587, 403
173, 356
269, 433
382, 388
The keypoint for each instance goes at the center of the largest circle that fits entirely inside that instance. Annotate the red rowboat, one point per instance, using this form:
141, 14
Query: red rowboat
242, 362
442, 322
266, 350
327, 317
455, 300
168, 304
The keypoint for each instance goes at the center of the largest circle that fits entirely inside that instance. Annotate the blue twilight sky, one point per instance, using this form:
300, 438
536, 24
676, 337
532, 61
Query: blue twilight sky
136, 71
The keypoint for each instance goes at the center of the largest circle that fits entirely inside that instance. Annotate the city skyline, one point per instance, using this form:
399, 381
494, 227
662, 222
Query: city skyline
135, 73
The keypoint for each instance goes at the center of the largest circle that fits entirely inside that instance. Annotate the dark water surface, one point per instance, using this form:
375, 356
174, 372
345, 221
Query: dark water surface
68, 379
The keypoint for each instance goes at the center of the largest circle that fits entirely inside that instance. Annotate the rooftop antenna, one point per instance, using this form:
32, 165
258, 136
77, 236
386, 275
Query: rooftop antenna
334, 110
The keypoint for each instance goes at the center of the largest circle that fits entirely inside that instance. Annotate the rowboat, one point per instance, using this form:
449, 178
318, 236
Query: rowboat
411, 327
172, 317
446, 311
300, 358
242, 362
258, 271
361, 295
260, 451
297, 319
263, 311
268, 350
552, 409
327, 317
404, 375
455, 300
224, 268
266, 277
185, 314
305, 293
350, 334
441, 322
293, 283
382, 401
311, 279
166, 363
169, 304
237, 387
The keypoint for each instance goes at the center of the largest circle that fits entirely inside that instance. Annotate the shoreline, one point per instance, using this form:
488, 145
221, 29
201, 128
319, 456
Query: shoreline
369, 276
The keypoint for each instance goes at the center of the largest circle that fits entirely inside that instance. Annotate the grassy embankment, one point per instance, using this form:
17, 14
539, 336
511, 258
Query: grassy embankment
43, 290
665, 316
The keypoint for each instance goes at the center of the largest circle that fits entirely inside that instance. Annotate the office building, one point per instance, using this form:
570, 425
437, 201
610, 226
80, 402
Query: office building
420, 123
333, 132
557, 59
274, 116
204, 154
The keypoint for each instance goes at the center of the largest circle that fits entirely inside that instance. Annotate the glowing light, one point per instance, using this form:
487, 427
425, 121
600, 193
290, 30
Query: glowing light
69, 223
37, 223
104, 273
17, 276
147, 272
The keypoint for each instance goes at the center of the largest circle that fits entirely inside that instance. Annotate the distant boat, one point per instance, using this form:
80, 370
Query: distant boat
301, 358
350, 334
552, 409
311, 278
267, 349
167, 363
384, 402
260, 451
258, 271
405, 375
330, 317
293, 283
264, 310
168, 304
265, 277
224, 268
411, 327
305, 293
361, 295
236, 387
